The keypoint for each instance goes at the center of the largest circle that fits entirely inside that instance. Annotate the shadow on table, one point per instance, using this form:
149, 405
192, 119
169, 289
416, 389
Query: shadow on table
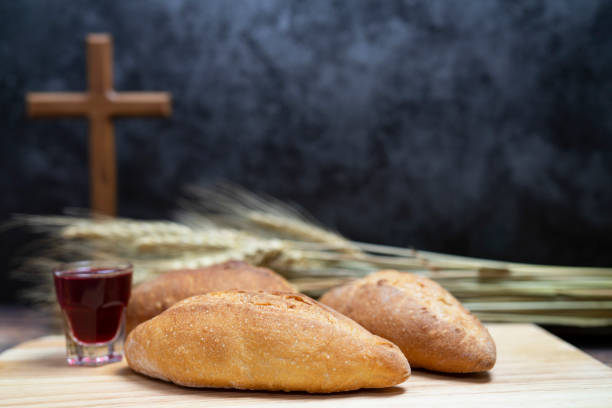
475, 378
166, 388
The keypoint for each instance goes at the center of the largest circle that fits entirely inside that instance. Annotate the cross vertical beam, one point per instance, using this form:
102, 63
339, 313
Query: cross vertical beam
102, 162
99, 64
102, 165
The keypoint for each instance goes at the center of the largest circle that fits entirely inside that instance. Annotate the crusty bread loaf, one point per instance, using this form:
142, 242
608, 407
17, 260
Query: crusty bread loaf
262, 341
428, 324
153, 297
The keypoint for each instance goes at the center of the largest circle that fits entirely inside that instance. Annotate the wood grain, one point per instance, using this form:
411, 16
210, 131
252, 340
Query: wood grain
100, 103
534, 368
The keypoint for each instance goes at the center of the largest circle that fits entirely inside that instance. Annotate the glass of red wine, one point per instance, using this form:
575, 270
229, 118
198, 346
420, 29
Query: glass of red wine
93, 296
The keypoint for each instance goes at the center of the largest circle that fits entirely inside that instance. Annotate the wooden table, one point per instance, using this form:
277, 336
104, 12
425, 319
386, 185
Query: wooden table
534, 368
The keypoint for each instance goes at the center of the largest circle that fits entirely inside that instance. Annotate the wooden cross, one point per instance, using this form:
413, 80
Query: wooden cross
100, 103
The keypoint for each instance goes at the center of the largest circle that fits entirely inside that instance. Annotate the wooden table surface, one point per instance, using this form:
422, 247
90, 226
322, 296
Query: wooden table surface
533, 369
18, 324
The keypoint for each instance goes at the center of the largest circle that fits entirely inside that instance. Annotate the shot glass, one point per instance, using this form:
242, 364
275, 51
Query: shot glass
93, 296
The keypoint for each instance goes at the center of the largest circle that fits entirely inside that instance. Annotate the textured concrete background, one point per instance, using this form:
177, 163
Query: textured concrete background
481, 128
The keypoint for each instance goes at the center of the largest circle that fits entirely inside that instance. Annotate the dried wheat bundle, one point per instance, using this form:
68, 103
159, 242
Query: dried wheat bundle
227, 222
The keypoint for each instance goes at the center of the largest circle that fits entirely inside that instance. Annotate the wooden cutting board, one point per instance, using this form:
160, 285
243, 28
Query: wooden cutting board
534, 368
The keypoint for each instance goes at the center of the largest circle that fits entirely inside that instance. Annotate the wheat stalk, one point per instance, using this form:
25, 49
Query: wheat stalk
211, 239
121, 229
236, 206
578, 321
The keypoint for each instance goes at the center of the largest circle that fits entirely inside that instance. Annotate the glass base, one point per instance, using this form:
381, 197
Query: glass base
90, 361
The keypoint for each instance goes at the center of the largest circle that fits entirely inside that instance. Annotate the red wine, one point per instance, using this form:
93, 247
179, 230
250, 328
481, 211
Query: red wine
93, 300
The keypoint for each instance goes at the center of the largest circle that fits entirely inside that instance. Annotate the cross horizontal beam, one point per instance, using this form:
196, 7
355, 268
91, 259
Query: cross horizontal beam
140, 103
113, 103
57, 104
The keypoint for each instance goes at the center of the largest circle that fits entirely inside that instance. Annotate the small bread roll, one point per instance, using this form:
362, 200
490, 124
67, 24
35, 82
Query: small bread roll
428, 324
153, 297
262, 341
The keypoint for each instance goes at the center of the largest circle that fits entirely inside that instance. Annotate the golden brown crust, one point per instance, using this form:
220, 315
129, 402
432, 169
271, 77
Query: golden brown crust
262, 341
428, 324
153, 297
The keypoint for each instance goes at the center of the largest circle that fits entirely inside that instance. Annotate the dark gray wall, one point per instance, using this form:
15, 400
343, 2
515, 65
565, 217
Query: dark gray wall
481, 128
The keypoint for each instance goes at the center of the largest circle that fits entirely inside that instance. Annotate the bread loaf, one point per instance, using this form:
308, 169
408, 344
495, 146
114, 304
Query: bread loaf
153, 297
428, 324
262, 341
